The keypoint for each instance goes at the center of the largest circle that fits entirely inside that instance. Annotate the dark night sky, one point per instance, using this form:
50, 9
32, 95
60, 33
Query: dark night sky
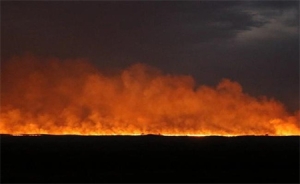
255, 43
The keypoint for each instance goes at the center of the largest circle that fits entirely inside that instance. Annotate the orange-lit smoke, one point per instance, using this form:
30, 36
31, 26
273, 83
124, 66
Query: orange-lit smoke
51, 96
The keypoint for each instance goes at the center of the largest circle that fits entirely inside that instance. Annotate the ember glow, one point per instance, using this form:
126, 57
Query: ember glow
52, 96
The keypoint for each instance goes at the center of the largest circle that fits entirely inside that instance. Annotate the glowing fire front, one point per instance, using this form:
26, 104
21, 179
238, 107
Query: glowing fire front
50, 96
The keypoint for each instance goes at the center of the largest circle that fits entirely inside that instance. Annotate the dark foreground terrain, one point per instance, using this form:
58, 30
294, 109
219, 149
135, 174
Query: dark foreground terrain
149, 159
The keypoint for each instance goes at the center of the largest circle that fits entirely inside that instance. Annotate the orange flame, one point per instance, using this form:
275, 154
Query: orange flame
50, 96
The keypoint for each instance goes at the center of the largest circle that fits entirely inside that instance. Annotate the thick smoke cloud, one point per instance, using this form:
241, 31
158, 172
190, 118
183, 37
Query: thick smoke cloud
254, 42
53, 96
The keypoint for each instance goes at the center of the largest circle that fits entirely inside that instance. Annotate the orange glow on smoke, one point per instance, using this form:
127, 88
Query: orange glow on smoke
50, 96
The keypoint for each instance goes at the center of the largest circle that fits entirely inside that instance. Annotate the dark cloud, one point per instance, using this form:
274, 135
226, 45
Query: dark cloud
109, 25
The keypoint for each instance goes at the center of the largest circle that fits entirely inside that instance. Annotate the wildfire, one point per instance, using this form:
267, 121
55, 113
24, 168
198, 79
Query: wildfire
51, 96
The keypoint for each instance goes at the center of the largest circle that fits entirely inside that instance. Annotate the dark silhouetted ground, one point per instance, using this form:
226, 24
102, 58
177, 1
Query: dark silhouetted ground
149, 159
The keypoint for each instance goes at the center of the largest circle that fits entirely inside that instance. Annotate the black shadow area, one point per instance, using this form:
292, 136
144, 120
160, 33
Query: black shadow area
149, 159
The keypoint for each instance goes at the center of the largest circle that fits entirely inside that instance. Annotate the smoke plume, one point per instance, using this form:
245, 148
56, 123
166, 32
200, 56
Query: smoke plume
53, 96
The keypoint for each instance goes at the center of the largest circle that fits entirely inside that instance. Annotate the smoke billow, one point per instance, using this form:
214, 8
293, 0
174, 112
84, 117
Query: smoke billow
52, 96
